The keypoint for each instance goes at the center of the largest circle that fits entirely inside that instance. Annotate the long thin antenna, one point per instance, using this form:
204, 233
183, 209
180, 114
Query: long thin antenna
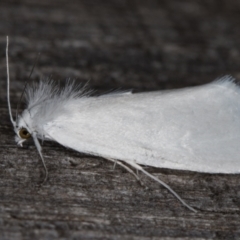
26, 82
8, 87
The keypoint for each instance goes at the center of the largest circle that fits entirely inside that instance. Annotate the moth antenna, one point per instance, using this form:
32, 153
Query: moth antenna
26, 82
39, 148
163, 184
8, 86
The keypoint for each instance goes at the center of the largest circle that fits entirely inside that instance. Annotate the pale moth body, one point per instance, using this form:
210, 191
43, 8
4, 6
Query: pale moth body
194, 129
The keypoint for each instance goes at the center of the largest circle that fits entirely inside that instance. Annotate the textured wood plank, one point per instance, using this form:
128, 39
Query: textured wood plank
140, 45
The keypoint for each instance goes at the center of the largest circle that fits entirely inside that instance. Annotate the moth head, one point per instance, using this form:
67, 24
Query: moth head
24, 133
22, 129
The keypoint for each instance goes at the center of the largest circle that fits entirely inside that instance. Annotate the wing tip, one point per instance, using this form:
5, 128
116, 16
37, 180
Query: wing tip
227, 81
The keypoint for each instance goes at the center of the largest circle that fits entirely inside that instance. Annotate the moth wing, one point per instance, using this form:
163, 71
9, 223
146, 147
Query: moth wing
193, 129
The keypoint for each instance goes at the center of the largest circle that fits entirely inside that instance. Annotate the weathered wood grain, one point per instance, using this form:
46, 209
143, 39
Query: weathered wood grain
140, 45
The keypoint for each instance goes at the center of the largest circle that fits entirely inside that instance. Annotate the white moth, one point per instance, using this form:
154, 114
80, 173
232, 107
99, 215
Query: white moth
195, 129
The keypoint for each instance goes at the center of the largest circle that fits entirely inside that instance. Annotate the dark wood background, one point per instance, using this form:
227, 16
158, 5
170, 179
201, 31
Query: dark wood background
121, 44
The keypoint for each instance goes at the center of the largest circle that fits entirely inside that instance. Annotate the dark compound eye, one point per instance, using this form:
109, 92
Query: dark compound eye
23, 133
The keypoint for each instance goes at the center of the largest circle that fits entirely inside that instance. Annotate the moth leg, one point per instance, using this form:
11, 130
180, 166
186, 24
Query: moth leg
127, 168
39, 148
114, 165
138, 167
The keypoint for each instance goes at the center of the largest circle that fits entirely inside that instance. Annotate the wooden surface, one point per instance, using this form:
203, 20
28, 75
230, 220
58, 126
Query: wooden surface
140, 45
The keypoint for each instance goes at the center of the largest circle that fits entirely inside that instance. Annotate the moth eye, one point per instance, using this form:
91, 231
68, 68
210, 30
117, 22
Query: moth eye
23, 132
